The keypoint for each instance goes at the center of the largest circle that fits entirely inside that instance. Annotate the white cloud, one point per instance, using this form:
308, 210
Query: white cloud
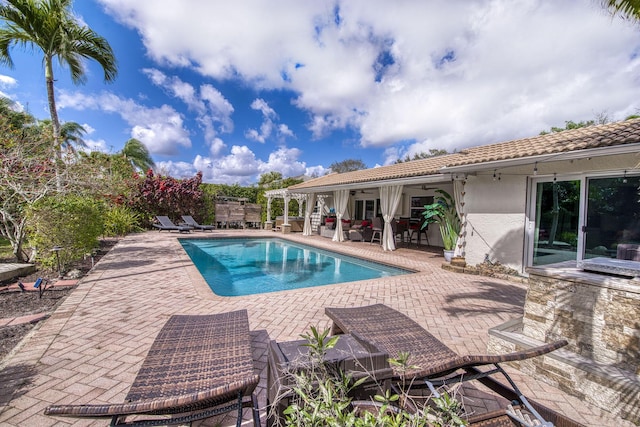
443, 74
285, 161
213, 110
96, 145
268, 125
175, 169
241, 166
316, 171
391, 154
161, 129
7, 81
88, 128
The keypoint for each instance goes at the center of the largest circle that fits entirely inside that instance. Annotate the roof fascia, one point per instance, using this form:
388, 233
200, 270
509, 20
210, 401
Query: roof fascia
569, 155
423, 179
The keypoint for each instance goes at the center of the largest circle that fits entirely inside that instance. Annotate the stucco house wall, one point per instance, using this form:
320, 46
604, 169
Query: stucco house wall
495, 219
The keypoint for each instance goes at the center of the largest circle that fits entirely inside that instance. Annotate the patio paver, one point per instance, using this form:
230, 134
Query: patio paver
90, 349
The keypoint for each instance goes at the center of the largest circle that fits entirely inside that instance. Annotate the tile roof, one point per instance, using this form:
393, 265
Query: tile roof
608, 135
400, 170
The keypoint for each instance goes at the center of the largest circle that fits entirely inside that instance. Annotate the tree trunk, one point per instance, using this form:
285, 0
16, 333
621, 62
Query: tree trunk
54, 120
14, 231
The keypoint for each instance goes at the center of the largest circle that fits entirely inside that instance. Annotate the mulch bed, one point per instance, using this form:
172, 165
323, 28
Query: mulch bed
16, 304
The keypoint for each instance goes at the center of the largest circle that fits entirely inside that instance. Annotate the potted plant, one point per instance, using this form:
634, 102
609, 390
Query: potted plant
443, 212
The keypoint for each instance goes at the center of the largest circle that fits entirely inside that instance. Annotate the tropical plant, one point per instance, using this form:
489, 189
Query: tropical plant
71, 134
120, 221
17, 119
138, 155
443, 212
320, 395
71, 222
164, 195
51, 27
626, 9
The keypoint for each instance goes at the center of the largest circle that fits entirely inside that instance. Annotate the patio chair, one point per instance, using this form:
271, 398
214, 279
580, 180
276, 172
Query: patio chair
197, 367
166, 224
188, 219
416, 229
384, 329
376, 227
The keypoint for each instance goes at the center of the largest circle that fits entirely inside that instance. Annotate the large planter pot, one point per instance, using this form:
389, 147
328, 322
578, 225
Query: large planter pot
448, 255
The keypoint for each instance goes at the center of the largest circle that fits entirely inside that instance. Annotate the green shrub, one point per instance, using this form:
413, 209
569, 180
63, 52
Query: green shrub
121, 220
320, 396
71, 222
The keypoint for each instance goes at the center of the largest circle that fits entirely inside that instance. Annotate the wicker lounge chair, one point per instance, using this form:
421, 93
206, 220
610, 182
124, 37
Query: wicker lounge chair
195, 365
188, 219
166, 224
385, 329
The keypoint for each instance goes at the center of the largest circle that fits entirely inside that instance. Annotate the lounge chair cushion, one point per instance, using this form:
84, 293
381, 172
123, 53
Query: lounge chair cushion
388, 330
194, 364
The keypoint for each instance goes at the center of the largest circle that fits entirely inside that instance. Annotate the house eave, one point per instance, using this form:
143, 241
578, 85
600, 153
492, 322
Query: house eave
422, 179
529, 160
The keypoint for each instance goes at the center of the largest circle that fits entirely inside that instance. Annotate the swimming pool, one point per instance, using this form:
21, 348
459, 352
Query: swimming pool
235, 267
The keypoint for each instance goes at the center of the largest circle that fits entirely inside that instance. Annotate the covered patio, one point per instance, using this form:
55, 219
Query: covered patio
393, 193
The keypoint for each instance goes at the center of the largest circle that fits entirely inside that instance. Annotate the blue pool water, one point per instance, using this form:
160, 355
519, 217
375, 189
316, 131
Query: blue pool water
235, 267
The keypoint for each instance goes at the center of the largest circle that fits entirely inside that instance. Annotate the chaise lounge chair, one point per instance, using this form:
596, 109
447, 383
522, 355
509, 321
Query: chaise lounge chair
195, 365
382, 328
166, 224
188, 219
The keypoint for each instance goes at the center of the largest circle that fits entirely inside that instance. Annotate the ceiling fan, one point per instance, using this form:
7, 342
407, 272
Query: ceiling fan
354, 192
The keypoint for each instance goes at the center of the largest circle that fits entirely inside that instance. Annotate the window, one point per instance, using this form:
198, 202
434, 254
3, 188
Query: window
417, 206
583, 218
557, 219
365, 209
613, 215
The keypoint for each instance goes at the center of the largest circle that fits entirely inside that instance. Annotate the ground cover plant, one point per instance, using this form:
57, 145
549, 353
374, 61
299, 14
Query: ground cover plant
321, 396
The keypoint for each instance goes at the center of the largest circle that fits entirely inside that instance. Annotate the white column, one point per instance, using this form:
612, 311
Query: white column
286, 209
269, 209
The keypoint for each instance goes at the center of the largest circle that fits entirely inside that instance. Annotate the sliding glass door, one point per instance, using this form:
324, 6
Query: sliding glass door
557, 221
613, 215
583, 218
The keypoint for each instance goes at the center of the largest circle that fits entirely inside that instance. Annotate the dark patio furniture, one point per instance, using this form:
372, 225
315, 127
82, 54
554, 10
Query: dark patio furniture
166, 224
188, 219
415, 229
288, 358
197, 367
390, 331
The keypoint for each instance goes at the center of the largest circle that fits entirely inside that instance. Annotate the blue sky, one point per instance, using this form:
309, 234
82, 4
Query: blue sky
237, 89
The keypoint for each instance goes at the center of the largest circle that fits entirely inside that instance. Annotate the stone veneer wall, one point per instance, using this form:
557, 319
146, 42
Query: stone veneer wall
599, 315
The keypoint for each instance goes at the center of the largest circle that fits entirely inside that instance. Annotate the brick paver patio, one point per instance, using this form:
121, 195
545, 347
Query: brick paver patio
90, 349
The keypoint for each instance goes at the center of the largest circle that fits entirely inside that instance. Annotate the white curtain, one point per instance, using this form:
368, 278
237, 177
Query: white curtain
458, 196
340, 200
311, 203
389, 200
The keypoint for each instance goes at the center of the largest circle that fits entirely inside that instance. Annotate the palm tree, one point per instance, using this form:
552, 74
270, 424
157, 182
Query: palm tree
136, 153
50, 26
629, 9
71, 134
